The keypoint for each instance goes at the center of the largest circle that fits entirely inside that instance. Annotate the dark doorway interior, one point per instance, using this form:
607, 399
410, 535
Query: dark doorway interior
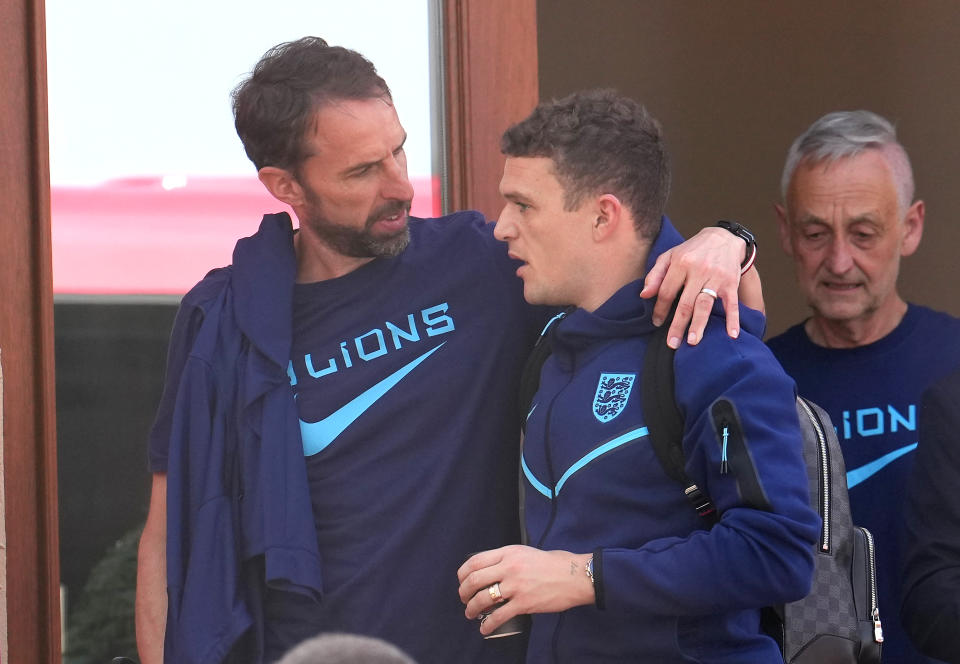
110, 355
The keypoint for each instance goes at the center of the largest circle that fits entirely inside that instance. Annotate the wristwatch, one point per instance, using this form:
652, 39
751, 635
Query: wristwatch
747, 236
589, 569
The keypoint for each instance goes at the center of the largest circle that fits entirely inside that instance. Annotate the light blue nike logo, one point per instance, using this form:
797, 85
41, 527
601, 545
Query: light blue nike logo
318, 435
858, 475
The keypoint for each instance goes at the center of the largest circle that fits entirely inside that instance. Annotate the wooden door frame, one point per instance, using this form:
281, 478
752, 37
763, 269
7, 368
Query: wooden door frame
490, 82
31, 579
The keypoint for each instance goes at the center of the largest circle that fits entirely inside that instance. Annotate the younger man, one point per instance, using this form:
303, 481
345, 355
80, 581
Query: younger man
621, 567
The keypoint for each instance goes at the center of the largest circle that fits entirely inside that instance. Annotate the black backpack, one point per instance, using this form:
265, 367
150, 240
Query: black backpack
838, 622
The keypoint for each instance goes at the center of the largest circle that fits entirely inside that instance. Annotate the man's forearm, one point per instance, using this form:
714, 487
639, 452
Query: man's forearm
151, 599
750, 291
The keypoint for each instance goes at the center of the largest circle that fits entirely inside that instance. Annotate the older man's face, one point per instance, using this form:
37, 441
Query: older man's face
843, 227
355, 187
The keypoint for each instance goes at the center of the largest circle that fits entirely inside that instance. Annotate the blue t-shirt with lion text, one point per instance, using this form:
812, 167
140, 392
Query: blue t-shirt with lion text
872, 394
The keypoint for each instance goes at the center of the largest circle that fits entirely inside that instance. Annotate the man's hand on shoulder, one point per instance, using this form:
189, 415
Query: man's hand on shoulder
702, 269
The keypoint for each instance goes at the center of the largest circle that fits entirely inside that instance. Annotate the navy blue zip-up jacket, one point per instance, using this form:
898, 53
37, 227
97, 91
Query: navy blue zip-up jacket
667, 589
236, 481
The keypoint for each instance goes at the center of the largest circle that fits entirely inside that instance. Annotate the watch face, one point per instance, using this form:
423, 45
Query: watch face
737, 229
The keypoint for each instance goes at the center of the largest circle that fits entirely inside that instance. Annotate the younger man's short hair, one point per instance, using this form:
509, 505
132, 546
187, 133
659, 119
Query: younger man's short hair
600, 142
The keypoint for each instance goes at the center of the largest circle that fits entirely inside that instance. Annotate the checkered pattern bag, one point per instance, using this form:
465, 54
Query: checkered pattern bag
839, 620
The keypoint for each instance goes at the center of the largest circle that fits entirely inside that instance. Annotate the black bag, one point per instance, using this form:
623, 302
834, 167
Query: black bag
838, 622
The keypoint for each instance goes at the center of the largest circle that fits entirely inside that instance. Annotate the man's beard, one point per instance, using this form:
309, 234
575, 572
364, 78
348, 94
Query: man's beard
361, 243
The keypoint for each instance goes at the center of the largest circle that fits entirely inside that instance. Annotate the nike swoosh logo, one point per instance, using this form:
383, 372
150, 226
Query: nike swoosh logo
858, 475
317, 436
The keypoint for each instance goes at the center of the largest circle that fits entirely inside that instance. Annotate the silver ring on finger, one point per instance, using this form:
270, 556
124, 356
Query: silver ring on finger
709, 291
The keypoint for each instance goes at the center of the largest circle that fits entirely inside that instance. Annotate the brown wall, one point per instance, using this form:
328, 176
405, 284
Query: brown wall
734, 82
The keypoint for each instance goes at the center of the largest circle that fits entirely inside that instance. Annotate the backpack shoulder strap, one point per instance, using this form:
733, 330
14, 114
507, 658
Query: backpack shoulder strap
664, 420
530, 378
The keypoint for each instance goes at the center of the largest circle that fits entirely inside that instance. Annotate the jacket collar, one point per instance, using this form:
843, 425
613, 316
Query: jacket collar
264, 271
624, 314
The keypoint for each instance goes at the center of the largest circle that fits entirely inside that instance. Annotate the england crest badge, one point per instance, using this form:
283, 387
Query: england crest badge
613, 390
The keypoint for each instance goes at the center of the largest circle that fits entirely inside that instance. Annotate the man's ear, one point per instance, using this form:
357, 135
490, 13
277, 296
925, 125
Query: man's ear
609, 216
282, 185
783, 225
913, 228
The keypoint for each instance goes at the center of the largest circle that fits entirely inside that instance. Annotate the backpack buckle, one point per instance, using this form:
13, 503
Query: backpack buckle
700, 501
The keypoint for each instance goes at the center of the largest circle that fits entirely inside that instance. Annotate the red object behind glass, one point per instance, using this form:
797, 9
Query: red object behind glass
157, 235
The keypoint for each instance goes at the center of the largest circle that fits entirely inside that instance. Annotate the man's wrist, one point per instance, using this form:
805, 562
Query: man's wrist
747, 236
589, 596
596, 577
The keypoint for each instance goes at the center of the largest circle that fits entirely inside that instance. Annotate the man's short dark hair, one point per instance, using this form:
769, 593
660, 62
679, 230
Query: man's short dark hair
600, 142
273, 107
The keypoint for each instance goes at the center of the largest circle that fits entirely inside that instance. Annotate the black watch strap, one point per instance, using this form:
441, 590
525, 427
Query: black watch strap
747, 236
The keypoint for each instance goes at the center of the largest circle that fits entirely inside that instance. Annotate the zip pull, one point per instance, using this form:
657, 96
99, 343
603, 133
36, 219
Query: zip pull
723, 453
877, 628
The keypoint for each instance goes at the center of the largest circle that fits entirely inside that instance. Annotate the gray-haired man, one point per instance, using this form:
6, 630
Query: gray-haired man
865, 355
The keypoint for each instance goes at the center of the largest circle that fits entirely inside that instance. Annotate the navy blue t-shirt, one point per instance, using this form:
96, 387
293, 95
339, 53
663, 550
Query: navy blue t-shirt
405, 373
872, 394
